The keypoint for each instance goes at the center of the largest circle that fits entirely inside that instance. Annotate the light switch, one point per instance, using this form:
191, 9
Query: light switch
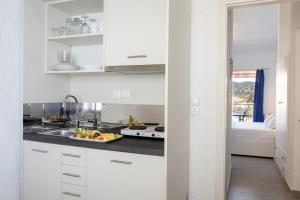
125, 94
195, 110
196, 102
116, 94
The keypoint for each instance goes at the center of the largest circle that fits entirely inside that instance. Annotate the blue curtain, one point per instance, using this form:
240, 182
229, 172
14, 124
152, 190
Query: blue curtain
258, 113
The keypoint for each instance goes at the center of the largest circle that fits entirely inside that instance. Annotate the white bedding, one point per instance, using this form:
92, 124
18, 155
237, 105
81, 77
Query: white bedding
252, 132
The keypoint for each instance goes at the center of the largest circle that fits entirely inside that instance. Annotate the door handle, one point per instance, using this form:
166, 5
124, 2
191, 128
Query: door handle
137, 56
39, 151
72, 194
71, 175
71, 155
121, 162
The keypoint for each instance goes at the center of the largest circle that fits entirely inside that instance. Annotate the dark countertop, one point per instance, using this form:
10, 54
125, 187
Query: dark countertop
126, 144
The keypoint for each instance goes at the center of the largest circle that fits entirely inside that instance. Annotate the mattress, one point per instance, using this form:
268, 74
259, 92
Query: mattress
252, 132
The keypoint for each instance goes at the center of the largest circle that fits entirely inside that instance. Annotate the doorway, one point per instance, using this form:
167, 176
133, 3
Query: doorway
257, 102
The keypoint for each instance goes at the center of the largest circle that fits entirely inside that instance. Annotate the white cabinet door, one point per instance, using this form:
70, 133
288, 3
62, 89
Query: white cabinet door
135, 32
281, 105
41, 171
123, 176
296, 132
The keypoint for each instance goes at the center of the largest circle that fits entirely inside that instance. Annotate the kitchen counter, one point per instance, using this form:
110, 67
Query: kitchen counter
126, 144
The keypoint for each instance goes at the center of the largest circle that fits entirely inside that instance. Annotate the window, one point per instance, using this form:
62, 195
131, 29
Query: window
243, 87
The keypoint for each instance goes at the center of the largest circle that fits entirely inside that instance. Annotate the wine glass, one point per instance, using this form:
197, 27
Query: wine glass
77, 24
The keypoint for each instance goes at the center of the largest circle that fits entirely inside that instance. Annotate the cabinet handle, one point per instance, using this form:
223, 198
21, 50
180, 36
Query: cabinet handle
280, 102
39, 150
137, 56
121, 162
71, 155
72, 194
71, 175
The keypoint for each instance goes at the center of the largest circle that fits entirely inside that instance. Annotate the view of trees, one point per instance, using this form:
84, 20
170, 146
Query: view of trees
243, 98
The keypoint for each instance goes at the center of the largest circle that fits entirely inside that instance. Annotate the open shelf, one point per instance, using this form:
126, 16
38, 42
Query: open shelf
84, 48
74, 71
92, 38
77, 7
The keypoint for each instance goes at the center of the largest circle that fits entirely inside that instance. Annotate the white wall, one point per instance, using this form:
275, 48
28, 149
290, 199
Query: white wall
177, 99
291, 140
204, 66
204, 80
38, 86
10, 111
144, 89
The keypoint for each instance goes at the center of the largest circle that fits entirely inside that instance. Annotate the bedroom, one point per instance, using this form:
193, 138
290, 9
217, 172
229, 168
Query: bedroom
254, 57
259, 140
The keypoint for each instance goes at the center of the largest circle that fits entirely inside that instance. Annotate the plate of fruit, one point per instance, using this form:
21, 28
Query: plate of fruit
94, 136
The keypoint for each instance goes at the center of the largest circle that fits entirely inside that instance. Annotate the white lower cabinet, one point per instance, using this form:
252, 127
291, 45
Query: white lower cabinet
57, 172
124, 176
41, 171
280, 159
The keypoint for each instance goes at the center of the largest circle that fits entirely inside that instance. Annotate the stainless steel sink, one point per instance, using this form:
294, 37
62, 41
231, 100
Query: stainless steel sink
61, 132
34, 129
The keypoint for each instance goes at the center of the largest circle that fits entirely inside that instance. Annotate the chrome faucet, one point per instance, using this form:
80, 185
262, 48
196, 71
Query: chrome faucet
94, 120
77, 108
45, 121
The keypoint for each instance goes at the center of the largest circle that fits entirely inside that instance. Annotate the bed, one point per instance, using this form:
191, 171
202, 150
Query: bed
252, 139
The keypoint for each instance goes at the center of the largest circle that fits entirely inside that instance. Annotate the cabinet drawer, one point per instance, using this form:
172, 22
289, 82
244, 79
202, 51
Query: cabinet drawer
72, 192
73, 156
73, 175
280, 155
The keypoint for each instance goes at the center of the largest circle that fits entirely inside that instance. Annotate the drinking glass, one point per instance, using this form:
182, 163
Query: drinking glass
64, 56
85, 28
94, 28
61, 31
77, 23
69, 26
54, 32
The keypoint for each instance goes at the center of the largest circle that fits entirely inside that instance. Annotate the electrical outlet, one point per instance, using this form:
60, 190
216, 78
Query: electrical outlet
125, 94
116, 94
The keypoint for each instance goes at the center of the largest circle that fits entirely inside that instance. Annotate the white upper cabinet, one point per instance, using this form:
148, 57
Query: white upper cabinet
135, 32
65, 32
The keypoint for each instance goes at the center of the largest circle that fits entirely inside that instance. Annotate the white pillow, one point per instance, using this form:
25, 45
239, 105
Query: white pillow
270, 121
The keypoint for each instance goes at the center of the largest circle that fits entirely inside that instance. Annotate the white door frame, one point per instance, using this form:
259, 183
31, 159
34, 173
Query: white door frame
223, 7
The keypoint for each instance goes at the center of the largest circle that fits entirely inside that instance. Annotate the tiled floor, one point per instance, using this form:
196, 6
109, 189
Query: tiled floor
257, 179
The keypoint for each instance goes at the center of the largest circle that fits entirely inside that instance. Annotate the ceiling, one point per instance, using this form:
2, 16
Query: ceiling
255, 29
